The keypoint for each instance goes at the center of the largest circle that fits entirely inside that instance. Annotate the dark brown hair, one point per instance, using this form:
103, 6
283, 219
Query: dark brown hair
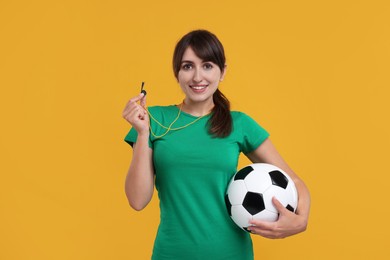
208, 48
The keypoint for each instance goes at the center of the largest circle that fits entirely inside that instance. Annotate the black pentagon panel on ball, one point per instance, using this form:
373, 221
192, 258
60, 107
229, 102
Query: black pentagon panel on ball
241, 174
290, 208
278, 179
253, 203
228, 205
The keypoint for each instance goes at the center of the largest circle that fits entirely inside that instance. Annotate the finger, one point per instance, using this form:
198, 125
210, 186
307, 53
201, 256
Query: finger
134, 110
142, 114
267, 234
131, 104
258, 231
261, 225
268, 231
137, 98
143, 101
130, 107
134, 113
278, 205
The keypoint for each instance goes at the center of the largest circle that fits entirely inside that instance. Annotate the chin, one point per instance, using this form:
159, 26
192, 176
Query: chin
199, 99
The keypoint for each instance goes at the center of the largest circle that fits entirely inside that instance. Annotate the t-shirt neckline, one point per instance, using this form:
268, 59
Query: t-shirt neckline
177, 107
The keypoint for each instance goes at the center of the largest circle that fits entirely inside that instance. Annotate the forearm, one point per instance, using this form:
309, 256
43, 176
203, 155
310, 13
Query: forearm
303, 208
139, 184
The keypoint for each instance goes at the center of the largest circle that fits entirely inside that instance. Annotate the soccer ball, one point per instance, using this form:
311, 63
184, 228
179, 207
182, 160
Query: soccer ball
250, 191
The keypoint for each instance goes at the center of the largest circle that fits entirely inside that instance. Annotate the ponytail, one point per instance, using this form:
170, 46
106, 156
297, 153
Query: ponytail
220, 122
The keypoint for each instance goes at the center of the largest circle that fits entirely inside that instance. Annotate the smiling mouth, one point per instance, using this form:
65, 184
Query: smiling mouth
198, 87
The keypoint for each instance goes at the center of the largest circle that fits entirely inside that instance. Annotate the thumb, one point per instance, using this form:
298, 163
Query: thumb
279, 206
143, 101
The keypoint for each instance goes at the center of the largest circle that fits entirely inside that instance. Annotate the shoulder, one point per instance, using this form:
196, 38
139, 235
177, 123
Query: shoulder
250, 134
239, 116
242, 120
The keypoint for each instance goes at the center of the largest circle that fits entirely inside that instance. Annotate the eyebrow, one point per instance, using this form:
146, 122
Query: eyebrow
189, 61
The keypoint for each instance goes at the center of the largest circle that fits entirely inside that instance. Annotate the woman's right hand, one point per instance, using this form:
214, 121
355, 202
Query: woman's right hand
139, 184
136, 114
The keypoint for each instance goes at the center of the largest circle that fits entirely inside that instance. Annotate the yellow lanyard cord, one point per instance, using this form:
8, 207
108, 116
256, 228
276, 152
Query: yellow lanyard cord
169, 128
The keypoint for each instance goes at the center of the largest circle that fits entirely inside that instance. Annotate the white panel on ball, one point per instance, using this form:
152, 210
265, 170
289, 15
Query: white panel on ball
256, 182
266, 215
278, 193
236, 192
291, 189
240, 216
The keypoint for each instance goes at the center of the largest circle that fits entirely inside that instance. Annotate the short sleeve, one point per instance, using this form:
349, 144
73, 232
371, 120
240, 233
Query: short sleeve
131, 138
252, 134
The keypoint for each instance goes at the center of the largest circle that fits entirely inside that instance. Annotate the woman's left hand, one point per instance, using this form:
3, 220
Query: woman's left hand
288, 224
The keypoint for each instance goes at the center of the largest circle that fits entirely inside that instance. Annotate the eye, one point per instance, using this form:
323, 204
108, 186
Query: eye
186, 66
208, 66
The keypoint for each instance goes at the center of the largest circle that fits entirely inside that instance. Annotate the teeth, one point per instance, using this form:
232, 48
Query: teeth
198, 87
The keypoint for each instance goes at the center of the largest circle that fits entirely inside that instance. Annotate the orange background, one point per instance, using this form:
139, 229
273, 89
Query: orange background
315, 74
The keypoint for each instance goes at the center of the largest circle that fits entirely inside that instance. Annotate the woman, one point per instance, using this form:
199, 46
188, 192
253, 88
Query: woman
190, 151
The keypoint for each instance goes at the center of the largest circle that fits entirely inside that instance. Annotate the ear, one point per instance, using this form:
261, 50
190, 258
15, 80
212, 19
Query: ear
223, 73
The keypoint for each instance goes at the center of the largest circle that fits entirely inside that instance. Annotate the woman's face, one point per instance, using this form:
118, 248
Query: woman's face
198, 79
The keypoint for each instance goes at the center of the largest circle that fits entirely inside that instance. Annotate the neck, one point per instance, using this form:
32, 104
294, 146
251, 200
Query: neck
197, 108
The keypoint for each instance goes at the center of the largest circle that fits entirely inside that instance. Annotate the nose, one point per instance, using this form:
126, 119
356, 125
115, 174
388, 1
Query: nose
197, 77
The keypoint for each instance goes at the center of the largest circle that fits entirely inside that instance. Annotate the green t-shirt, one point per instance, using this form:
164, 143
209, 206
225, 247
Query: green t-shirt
192, 170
